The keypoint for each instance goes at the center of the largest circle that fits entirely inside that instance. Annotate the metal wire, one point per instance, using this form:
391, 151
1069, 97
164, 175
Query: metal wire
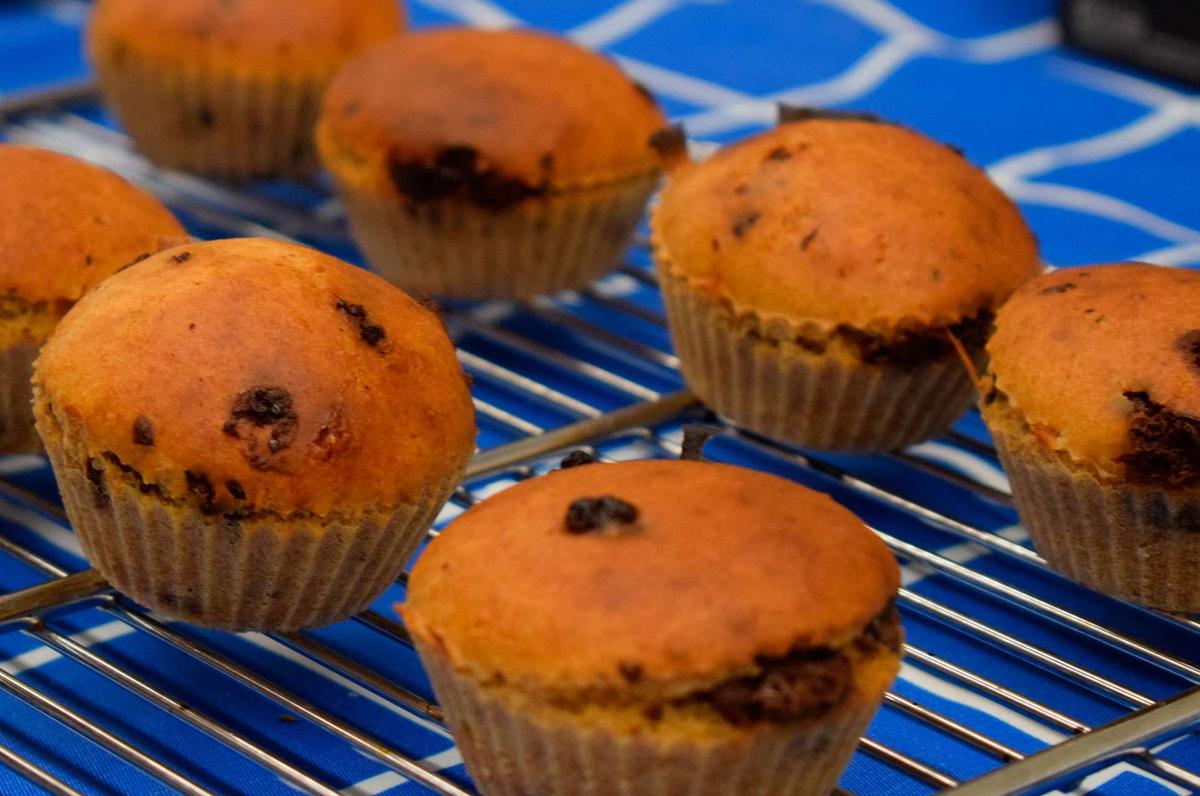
242, 213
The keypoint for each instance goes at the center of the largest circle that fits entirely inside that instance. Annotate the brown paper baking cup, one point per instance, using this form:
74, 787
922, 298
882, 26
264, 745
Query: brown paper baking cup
1130, 541
510, 754
253, 573
541, 245
17, 434
227, 123
823, 401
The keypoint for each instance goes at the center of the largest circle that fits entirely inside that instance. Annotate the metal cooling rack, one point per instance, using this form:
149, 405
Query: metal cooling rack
527, 397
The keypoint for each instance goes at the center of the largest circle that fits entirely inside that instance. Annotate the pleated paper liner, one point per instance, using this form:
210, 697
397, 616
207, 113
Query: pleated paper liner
545, 244
822, 401
510, 754
230, 123
1137, 542
222, 571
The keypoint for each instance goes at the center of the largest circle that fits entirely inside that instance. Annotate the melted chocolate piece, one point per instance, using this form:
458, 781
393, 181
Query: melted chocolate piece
808, 239
670, 142
1165, 449
371, 333
143, 432
182, 257
778, 153
133, 262
257, 408
199, 485
743, 223
456, 172
576, 459
235, 489
1056, 289
915, 348
805, 683
599, 514
799, 113
632, 672
1189, 344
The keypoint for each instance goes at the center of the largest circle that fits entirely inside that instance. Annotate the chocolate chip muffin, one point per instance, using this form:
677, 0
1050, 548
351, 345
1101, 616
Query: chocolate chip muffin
229, 88
250, 434
489, 163
815, 274
64, 226
605, 617
1093, 399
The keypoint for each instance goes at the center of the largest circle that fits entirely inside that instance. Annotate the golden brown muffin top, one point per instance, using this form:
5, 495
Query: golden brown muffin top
507, 112
721, 565
833, 221
262, 376
1103, 362
66, 224
292, 34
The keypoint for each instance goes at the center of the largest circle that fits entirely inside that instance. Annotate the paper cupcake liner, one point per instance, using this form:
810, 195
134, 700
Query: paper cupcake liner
230, 124
509, 754
541, 245
1130, 541
17, 433
253, 573
813, 400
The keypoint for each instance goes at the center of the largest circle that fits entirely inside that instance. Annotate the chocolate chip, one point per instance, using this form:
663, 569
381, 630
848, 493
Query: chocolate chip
95, 476
956, 149
694, 438
200, 486
257, 408
87, 259
1164, 445
743, 223
670, 143
598, 513
143, 432
456, 172
1055, 289
182, 257
235, 489
1189, 344
632, 672
372, 334
205, 116
808, 239
778, 153
797, 113
134, 261
645, 92
576, 459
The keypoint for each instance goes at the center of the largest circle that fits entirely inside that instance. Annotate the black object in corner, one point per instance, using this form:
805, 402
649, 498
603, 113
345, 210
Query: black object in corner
1161, 35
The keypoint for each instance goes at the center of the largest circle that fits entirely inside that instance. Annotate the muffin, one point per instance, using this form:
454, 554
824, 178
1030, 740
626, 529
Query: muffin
250, 434
229, 89
1093, 399
605, 618
815, 274
489, 163
64, 226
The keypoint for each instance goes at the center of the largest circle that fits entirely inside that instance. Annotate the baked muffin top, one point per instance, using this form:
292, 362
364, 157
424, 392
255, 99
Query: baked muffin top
260, 376
498, 114
720, 567
250, 33
66, 224
832, 221
1103, 362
